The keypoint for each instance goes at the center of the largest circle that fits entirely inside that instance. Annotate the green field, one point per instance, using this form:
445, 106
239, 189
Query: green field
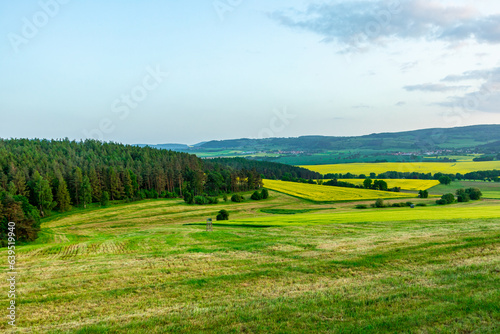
279, 265
489, 189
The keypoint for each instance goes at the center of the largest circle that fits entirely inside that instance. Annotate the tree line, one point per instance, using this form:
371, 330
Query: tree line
39, 176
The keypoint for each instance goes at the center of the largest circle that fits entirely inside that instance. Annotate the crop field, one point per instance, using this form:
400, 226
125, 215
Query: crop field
320, 193
420, 167
489, 189
298, 267
414, 185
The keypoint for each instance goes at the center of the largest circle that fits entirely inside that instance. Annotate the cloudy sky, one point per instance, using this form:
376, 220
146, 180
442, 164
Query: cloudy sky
163, 71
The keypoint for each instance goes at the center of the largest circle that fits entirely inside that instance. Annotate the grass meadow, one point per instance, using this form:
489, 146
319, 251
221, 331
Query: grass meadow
279, 265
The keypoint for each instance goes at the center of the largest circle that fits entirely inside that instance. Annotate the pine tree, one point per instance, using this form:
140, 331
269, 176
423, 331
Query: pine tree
95, 183
115, 185
43, 195
76, 183
127, 184
86, 192
20, 182
62, 196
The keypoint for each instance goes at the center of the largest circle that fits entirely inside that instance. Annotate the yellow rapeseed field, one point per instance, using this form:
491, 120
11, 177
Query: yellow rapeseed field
403, 184
420, 167
322, 193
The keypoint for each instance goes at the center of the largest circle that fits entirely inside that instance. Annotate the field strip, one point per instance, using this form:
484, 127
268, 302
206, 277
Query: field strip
406, 184
381, 215
419, 167
322, 193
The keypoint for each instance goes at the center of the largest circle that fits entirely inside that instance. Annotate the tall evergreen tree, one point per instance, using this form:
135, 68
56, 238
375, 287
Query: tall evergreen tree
115, 185
95, 183
76, 185
86, 192
43, 195
127, 184
62, 196
20, 182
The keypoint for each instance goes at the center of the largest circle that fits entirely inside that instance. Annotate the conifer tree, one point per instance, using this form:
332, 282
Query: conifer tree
62, 196
86, 192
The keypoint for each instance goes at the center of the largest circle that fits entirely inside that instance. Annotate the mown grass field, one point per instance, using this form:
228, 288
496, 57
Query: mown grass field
279, 265
407, 184
322, 193
420, 167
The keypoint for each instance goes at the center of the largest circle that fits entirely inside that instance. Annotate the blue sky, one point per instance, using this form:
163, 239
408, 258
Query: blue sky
170, 71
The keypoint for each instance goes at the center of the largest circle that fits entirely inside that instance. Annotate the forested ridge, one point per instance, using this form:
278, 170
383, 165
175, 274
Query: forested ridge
39, 176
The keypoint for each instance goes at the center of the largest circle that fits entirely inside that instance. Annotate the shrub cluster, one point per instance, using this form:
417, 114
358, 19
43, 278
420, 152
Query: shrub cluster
446, 199
200, 200
257, 196
223, 215
237, 198
379, 203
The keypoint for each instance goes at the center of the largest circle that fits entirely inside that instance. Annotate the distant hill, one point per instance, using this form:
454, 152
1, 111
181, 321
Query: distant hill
173, 147
418, 140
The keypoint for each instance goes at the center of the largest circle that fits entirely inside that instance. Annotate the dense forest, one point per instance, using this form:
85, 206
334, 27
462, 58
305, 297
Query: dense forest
270, 170
39, 176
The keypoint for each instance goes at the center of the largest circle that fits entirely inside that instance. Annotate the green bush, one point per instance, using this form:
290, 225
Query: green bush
379, 203
265, 194
421, 204
361, 206
423, 194
256, 196
474, 193
446, 199
200, 200
237, 198
223, 215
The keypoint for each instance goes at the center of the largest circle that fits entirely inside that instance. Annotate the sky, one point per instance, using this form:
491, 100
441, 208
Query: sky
163, 71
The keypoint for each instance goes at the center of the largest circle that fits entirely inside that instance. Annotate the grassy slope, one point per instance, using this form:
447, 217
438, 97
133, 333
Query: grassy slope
139, 268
